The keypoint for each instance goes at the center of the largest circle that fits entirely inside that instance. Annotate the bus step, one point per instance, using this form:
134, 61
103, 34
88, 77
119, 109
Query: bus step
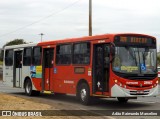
105, 96
47, 92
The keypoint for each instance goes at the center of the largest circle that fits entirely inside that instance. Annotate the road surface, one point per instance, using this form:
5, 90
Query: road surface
69, 101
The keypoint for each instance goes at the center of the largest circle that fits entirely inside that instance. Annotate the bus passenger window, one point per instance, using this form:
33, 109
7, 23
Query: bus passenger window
37, 51
27, 54
63, 54
81, 53
9, 57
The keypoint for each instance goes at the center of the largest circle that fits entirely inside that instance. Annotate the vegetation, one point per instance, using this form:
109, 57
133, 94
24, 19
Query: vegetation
15, 42
158, 59
1, 63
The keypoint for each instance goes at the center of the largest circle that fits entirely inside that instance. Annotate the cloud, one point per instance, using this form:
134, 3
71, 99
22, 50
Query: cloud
109, 16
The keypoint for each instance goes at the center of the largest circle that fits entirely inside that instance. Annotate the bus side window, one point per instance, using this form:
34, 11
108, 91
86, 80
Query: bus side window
9, 57
63, 54
37, 53
27, 54
81, 53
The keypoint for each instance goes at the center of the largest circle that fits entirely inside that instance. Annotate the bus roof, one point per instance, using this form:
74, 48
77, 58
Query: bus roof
89, 38
86, 38
20, 46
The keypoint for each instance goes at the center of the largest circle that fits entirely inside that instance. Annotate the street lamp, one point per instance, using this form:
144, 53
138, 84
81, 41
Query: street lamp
41, 34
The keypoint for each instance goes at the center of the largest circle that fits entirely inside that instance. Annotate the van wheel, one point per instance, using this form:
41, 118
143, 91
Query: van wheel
84, 94
122, 100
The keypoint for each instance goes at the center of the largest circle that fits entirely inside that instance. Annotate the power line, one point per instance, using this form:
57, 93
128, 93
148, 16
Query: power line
52, 14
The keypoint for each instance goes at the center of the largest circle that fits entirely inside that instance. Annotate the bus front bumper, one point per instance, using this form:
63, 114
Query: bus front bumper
117, 91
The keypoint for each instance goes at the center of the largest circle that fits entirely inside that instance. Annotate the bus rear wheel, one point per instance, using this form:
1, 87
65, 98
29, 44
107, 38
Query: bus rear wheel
84, 94
122, 99
28, 89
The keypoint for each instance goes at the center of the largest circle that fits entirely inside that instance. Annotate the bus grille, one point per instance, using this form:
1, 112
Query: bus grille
138, 86
145, 92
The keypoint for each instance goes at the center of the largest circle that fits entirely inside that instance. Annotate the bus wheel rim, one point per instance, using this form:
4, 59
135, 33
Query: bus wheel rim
83, 94
28, 88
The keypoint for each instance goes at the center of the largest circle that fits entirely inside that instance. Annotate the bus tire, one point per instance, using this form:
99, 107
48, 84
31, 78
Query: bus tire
122, 99
28, 89
84, 94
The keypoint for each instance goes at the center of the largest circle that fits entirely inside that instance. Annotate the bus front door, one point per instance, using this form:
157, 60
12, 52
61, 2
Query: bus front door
101, 68
48, 54
17, 72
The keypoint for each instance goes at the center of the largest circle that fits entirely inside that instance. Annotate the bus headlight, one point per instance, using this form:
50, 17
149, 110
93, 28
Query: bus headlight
115, 81
157, 82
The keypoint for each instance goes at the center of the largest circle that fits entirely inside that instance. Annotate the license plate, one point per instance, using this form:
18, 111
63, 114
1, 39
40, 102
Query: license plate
140, 92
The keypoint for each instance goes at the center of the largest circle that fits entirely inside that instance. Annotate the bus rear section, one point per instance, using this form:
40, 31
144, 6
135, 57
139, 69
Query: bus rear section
17, 62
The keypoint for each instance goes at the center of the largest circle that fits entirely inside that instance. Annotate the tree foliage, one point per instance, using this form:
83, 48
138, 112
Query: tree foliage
158, 60
15, 42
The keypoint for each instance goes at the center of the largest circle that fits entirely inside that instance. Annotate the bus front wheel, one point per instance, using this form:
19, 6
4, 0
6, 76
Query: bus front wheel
122, 99
84, 94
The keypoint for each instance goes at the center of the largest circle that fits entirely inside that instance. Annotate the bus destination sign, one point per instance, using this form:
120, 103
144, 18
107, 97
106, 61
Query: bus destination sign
134, 40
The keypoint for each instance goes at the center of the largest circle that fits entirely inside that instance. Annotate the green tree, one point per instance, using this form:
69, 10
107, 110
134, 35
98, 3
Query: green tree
13, 42
158, 60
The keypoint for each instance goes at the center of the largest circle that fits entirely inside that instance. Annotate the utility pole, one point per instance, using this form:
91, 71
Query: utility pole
41, 34
90, 17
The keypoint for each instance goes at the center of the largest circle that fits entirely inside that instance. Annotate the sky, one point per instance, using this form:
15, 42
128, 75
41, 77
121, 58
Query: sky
59, 19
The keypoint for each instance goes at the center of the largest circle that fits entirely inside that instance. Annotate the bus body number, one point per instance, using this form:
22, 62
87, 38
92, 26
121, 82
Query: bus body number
147, 82
101, 41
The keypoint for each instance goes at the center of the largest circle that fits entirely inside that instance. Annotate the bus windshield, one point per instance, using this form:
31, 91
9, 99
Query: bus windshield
135, 60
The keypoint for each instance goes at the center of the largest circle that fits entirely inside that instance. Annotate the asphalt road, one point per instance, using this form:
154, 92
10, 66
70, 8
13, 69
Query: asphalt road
142, 103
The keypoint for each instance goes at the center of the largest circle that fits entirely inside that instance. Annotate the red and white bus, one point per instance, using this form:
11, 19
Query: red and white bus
121, 66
